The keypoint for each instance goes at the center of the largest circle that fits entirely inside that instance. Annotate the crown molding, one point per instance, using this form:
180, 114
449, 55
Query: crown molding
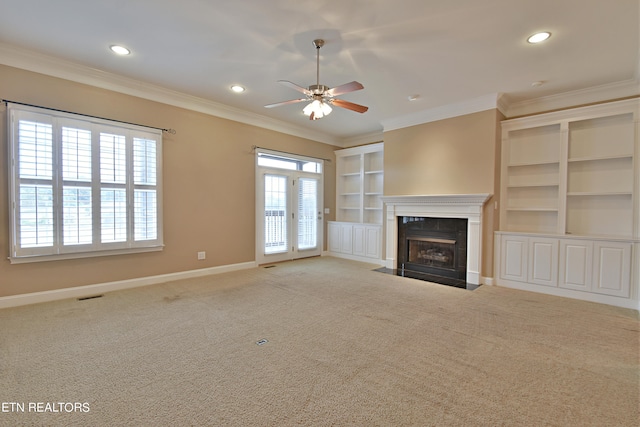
55, 67
475, 105
502, 103
595, 94
587, 112
369, 138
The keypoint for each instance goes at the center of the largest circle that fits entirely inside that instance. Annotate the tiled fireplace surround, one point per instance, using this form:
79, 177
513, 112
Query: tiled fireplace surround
466, 206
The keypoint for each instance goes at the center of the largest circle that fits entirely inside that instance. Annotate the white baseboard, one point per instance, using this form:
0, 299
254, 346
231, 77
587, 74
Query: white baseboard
633, 304
100, 288
487, 281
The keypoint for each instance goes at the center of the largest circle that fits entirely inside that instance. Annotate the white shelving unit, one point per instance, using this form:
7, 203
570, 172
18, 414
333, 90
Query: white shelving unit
359, 184
532, 179
572, 176
357, 230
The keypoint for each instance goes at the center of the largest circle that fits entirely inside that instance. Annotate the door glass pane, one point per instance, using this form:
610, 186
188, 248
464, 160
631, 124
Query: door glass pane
275, 214
307, 213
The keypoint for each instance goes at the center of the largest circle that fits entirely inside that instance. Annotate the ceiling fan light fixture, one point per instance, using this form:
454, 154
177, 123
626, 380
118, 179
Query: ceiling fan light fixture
317, 108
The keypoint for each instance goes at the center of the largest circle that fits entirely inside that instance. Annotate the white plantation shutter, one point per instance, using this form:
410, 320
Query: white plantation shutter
82, 187
77, 207
77, 215
144, 161
146, 217
35, 193
145, 171
113, 194
36, 216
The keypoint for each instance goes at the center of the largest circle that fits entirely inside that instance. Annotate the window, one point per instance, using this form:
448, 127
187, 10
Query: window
81, 186
269, 159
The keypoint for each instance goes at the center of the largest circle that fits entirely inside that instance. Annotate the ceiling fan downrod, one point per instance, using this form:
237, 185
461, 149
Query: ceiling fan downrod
318, 43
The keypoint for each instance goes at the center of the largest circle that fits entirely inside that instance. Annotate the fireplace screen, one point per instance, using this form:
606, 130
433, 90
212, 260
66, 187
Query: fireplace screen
432, 252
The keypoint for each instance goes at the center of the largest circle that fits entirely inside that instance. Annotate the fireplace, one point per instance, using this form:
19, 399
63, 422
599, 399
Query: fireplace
432, 253
436, 246
438, 235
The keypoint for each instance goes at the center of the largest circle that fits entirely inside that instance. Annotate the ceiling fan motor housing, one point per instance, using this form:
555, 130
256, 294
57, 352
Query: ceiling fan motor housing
318, 89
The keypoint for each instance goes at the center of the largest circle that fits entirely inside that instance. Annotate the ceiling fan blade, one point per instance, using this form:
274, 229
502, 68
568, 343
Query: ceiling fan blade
349, 105
345, 88
293, 101
296, 87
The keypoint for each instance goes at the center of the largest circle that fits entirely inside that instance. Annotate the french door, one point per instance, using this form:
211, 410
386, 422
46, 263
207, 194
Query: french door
289, 214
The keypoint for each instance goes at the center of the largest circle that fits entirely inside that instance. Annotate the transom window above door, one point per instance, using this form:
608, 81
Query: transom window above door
277, 161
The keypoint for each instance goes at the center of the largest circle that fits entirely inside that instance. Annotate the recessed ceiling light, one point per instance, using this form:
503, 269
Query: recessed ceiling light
539, 37
237, 88
120, 50
413, 97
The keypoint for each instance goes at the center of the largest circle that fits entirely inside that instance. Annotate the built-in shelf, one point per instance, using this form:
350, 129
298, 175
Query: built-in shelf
357, 231
583, 168
533, 209
521, 164
598, 158
570, 204
594, 193
534, 185
360, 175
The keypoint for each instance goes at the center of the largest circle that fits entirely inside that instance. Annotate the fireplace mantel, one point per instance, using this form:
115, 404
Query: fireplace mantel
467, 206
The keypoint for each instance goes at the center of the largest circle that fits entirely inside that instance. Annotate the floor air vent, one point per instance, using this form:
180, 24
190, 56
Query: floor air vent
91, 297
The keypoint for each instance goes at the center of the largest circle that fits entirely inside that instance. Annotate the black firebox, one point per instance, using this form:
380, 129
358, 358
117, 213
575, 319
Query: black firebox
433, 246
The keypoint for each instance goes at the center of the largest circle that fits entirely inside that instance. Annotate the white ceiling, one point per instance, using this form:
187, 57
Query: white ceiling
449, 52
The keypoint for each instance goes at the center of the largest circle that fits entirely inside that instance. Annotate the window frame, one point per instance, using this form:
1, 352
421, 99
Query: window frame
58, 249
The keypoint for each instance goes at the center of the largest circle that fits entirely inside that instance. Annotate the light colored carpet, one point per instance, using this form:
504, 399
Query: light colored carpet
347, 346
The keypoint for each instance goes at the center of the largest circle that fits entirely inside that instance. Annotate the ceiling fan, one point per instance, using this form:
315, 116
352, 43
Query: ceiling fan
321, 96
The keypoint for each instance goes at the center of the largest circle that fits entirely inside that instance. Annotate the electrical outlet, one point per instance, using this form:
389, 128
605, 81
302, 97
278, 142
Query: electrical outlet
327, 211
202, 255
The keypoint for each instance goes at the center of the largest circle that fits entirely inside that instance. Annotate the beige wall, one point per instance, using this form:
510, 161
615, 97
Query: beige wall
453, 156
209, 185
